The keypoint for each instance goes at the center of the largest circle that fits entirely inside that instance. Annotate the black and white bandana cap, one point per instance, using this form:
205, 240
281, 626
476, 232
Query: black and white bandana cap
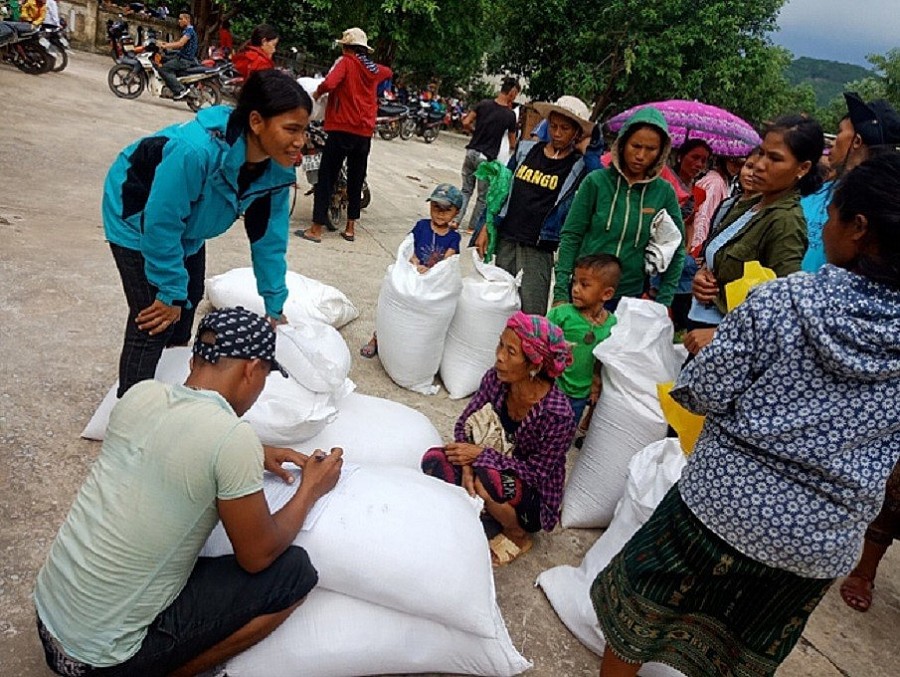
240, 333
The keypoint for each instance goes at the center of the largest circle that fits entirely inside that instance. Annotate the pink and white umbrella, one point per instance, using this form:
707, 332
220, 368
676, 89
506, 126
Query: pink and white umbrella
725, 132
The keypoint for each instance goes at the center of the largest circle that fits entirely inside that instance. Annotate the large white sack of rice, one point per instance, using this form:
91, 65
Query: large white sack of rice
636, 357
315, 355
651, 473
307, 298
310, 85
489, 296
395, 537
287, 414
333, 635
414, 312
375, 431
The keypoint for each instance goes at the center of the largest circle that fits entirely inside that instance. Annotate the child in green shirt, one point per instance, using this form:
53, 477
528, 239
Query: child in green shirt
585, 323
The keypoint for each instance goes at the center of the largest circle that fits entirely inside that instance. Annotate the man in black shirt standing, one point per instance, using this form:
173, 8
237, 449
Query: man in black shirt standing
491, 117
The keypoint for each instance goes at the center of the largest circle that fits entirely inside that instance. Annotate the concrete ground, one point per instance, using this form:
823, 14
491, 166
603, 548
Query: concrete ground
61, 317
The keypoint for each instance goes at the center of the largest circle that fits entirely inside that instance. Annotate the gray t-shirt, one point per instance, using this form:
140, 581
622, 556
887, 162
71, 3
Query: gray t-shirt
132, 537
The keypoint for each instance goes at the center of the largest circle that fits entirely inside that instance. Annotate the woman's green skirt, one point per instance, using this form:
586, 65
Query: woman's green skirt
680, 595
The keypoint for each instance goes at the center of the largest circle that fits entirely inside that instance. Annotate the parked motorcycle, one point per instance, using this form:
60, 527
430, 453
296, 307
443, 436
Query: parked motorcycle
59, 45
139, 70
428, 122
390, 119
312, 160
23, 46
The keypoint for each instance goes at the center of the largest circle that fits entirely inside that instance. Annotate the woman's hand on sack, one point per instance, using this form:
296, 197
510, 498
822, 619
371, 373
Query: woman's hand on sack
698, 339
468, 480
705, 287
157, 317
481, 242
275, 322
275, 456
462, 453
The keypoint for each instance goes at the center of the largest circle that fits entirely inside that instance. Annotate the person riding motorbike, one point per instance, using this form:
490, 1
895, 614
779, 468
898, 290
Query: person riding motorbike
182, 59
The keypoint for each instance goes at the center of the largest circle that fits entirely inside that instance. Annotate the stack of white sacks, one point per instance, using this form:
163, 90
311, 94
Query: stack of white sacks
405, 578
438, 321
626, 465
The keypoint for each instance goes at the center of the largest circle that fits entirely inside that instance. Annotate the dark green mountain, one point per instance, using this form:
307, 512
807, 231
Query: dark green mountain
827, 78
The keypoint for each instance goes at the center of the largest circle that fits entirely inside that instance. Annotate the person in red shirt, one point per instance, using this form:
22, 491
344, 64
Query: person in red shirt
350, 113
226, 40
256, 55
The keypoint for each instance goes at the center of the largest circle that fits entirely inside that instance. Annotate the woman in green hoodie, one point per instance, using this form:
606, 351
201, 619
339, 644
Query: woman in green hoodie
614, 207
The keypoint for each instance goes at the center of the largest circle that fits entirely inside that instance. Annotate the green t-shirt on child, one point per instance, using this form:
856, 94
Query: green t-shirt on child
576, 380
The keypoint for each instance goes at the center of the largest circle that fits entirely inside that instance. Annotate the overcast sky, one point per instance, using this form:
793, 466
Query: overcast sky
839, 30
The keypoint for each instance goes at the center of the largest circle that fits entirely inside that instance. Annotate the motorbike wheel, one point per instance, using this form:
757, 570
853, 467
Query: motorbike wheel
124, 82
430, 134
208, 94
407, 129
33, 59
366, 196
389, 131
60, 58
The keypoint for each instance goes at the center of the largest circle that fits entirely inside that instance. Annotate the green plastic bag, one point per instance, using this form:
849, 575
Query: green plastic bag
499, 180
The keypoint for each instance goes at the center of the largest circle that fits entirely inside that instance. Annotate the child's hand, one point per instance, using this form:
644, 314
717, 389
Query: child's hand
454, 224
421, 269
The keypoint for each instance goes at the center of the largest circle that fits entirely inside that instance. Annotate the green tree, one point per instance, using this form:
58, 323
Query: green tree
884, 84
615, 53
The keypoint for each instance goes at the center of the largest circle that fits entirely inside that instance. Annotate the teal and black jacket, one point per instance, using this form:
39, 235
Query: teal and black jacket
166, 194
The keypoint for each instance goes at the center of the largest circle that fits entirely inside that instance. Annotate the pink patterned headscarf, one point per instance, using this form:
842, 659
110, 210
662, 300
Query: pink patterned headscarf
543, 343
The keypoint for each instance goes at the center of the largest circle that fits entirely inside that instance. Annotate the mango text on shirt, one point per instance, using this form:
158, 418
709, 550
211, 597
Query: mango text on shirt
537, 177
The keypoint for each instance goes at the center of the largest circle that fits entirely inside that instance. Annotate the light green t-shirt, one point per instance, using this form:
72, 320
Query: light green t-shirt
139, 521
575, 381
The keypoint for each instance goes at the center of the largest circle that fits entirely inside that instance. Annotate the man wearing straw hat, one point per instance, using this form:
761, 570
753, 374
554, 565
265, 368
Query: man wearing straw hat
352, 85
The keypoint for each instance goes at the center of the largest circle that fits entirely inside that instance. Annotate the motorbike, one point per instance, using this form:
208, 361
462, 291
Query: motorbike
428, 122
59, 45
389, 122
139, 70
23, 46
310, 163
120, 41
230, 80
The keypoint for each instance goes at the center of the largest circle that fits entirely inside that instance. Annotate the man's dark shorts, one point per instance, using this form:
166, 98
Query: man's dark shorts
218, 599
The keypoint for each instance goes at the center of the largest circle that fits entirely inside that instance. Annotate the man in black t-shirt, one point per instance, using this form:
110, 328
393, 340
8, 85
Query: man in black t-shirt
492, 117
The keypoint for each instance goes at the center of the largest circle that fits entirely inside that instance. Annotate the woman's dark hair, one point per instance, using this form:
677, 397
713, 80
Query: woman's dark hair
262, 32
873, 190
806, 139
690, 145
269, 93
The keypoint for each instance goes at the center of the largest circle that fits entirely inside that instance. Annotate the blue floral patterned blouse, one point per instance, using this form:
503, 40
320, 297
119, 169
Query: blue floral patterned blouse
800, 388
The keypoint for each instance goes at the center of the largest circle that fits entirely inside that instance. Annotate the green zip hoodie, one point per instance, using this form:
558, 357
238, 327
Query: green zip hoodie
611, 216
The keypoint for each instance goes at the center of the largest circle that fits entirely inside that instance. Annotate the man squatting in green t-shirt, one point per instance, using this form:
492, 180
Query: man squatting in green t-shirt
586, 322
123, 588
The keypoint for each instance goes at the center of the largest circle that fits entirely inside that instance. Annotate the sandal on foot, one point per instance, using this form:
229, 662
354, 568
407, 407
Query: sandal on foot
504, 550
350, 237
303, 234
856, 591
369, 350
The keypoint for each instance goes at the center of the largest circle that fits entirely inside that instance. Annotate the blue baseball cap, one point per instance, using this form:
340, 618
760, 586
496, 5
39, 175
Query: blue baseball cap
446, 194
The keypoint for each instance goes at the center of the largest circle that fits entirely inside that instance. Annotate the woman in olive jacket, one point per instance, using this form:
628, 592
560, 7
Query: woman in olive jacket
770, 229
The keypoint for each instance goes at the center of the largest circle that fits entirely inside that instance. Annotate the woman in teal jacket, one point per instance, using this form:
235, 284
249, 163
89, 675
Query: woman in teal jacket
168, 193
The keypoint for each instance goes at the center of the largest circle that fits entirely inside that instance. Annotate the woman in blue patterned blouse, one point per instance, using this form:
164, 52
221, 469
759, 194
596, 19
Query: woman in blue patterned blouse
510, 442
800, 389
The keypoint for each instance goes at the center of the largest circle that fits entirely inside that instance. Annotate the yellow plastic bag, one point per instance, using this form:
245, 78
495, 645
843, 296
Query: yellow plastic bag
754, 274
686, 424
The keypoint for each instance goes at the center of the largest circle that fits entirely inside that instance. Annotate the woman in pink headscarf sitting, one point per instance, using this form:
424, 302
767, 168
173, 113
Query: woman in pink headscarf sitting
510, 442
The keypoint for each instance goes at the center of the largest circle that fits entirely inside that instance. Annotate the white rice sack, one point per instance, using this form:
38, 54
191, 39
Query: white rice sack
400, 539
307, 298
489, 296
310, 85
287, 414
332, 635
651, 473
414, 313
636, 357
173, 367
314, 354
375, 431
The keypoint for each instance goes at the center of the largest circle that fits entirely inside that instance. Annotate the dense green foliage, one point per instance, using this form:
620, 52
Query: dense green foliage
827, 78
